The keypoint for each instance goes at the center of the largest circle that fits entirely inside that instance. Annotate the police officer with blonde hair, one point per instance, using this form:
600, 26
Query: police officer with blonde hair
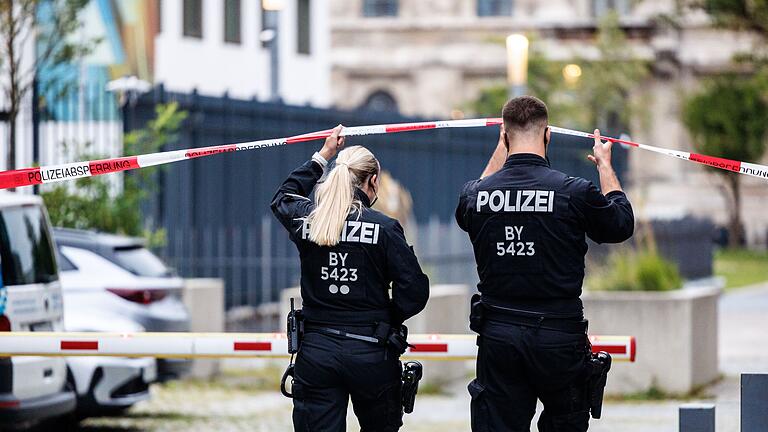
528, 225
359, 282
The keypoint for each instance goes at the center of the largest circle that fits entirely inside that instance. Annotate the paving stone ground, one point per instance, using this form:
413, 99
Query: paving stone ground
229, 406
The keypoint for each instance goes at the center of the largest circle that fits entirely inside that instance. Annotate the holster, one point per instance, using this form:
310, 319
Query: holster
600, 363
412, 373
476, 315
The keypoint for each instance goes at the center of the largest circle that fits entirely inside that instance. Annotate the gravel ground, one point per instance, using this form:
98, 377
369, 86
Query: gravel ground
195, 407
245, 398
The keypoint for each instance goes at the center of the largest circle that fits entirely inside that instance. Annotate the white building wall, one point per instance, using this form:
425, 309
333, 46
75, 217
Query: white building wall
24, 119
212, 66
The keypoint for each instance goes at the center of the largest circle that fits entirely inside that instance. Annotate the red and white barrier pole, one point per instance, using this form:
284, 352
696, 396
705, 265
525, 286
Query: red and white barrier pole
267, 345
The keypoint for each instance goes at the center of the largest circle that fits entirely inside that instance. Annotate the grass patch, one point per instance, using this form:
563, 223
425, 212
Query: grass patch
247, 380
741, 267
654, 393
432, 388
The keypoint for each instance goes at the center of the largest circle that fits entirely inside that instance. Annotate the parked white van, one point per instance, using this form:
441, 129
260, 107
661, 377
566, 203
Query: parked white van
31, 388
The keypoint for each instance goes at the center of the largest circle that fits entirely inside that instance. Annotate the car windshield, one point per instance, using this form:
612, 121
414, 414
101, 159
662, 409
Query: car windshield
141, 262
26, 252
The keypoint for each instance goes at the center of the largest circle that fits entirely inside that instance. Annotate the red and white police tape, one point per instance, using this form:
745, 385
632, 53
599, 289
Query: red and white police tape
75, 170
269, 345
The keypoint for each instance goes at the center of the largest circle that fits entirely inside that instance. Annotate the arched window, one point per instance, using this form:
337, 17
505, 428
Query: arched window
380, 100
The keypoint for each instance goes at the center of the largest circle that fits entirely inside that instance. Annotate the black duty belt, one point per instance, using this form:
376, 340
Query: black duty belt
511, 316
351, 332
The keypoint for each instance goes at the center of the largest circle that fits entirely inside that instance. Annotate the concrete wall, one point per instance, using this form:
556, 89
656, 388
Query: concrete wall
447, 311
204, 299
676, 335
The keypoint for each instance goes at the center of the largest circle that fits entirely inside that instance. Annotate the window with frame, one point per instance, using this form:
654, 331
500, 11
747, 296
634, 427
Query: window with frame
232, 21
193, 18
380, 8
602, 7
303, 27
488, 8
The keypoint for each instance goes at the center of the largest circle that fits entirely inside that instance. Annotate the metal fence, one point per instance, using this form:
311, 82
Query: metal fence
216, 209
61, 124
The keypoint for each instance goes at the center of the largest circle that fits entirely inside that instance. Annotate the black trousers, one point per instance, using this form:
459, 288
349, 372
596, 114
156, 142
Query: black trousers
516, 365
330, 370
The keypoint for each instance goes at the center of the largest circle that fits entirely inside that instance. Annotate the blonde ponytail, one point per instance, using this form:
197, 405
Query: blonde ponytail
335, 197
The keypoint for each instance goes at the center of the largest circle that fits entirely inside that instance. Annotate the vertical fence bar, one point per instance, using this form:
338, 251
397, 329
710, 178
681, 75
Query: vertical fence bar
251, 266
266, 258
236, 261
754, 402
697, 418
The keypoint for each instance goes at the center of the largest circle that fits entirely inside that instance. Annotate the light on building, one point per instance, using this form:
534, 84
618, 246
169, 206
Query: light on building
517, 63
272, 5
571, 73
457, 114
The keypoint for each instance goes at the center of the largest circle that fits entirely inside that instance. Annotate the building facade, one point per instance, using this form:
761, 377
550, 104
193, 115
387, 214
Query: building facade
434, 57
217, 46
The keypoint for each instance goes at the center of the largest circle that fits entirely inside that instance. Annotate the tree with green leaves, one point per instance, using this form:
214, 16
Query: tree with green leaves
93, 204
601, 97
749, 15
729, 118
21, 28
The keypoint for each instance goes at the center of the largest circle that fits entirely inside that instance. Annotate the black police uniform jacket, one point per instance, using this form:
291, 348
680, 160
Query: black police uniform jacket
349, 283
527, 223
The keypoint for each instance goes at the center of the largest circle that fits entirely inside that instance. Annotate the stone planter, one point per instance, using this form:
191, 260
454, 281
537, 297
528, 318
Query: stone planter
447, 312
676, 333
204, 299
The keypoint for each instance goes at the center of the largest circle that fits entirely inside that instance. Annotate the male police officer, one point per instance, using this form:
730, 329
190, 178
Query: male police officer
527, 223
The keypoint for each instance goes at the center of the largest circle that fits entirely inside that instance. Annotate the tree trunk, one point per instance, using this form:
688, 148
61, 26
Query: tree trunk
14, 87
735, 228
11, 159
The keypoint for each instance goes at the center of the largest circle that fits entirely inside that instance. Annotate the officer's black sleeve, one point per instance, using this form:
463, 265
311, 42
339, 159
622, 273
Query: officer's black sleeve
292, 198
410, 286
463, 209
607, 218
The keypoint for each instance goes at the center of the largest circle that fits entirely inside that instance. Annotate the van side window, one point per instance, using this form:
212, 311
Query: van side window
64, 263
26, 251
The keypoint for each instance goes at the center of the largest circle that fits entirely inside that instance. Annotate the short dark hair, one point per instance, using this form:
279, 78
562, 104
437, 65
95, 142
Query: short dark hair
524, 113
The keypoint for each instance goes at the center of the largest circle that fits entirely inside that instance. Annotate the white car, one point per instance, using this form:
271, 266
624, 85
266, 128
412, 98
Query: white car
31, 388
108, 277
106, 385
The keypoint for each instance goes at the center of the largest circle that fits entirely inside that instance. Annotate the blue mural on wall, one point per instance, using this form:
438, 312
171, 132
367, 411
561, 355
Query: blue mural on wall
3, 294
124, 32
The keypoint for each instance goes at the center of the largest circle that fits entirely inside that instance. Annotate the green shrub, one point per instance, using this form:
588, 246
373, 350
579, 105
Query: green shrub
644, 270
91, 203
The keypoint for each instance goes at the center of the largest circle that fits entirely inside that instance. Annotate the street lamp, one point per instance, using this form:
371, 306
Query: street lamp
271, 35
128, 89
517, 64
